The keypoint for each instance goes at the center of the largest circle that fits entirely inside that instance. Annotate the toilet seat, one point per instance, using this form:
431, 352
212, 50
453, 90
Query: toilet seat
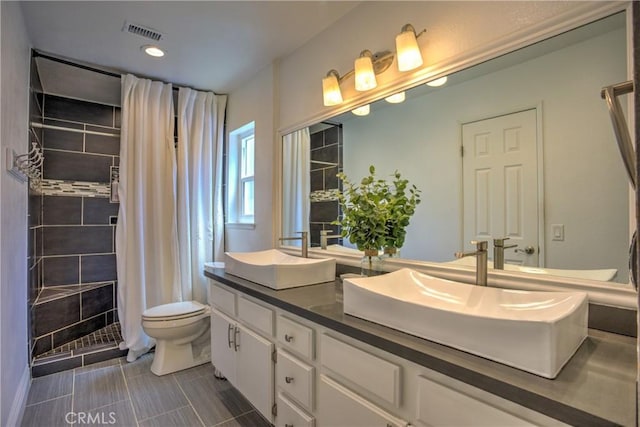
174, 311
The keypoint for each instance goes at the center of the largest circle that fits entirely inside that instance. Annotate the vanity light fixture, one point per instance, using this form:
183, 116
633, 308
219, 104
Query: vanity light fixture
361, 111
154, 51
331, 89
367, 65
437, 82
396, 98
365, 76
409, 56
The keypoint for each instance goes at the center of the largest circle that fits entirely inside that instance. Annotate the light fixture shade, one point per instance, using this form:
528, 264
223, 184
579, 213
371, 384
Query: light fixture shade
331, 90
365, 77
396, 98
437, 82
361, 111
409, 56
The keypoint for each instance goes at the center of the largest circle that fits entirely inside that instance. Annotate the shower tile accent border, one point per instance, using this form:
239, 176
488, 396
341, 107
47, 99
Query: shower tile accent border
58, 187
324, 195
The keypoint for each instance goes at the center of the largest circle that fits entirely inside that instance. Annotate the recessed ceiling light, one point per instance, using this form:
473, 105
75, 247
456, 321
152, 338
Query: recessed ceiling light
154, 51
437, 82
396, 98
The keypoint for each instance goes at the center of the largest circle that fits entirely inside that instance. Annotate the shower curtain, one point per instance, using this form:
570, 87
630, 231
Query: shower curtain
170, 220
199, 159
296, 186
146, 234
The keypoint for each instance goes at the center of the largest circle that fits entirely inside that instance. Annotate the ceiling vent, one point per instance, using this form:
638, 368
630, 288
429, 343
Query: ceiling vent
141, 30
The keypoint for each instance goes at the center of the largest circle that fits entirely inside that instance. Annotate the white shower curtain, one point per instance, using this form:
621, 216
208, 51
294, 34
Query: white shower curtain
296, 187
146, 234
200, 209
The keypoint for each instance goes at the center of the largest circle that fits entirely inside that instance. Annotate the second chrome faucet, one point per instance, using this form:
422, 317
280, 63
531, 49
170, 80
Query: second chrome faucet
481, 253
481, 260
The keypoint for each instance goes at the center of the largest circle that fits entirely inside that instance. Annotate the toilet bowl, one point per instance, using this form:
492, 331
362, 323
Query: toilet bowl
181, 331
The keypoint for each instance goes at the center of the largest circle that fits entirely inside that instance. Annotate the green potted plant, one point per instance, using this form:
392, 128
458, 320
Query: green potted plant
401, 202
375, 214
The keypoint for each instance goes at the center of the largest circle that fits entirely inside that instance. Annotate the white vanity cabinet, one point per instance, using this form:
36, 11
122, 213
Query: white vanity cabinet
298, 373
243, 356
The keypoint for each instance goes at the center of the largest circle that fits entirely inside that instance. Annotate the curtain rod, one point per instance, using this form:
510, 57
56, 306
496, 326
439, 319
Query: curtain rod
36, 54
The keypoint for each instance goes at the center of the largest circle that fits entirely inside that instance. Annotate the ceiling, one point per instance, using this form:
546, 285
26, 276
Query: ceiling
209, 45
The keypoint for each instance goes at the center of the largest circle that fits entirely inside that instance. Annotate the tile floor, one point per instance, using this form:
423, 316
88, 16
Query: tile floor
117, 393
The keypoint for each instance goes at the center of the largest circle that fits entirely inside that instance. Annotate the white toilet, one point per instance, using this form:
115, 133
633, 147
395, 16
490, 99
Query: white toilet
181, 331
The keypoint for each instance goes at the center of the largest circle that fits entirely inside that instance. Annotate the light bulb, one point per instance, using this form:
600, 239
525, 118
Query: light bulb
331, 89
361, 111
365, 77
437, 82
409, 56
396, 98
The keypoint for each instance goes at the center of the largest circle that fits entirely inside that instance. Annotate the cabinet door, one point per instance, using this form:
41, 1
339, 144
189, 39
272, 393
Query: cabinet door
254, 370
223, 355
338, 406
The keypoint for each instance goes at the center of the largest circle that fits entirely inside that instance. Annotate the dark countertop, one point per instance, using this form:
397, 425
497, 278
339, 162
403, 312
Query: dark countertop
596, 387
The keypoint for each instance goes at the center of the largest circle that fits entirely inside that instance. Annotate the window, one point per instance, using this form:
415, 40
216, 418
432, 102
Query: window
241, 179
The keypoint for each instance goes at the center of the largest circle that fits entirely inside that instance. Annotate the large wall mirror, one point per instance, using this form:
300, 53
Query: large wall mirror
520, 146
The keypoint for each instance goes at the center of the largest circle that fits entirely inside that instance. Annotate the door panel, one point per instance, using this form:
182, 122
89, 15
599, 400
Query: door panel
500, 182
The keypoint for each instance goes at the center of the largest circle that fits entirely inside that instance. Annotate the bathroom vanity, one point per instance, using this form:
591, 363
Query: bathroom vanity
301, 361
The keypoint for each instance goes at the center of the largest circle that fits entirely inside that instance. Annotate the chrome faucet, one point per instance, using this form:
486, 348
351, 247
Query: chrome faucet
498, 252
481, 260
304, 237
324, 236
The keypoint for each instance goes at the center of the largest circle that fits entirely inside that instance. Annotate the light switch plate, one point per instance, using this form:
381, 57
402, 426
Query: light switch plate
557, 232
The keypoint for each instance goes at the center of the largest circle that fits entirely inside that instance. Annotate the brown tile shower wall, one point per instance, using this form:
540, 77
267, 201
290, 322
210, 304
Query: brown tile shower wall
326, 162
76, 281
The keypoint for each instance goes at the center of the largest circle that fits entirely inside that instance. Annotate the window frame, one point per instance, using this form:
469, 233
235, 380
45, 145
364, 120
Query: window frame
236, 180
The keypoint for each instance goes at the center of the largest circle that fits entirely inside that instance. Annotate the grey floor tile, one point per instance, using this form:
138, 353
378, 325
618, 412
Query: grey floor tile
51, 413
153, 395
194, 373
181, 417
99, 365
141, 366
97, 388
250, 419
50, 387
118, 414
215, 400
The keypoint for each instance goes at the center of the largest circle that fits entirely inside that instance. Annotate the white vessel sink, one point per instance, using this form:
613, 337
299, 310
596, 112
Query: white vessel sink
278, 270
537, 332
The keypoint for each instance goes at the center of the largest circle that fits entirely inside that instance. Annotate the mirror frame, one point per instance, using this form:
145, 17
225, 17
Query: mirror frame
599, 292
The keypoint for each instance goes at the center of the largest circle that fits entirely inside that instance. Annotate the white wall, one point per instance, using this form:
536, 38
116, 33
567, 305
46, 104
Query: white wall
585, 185
254, 102
14, 76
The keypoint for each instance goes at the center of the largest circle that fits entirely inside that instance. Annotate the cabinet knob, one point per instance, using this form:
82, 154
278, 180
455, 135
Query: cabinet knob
288, 338
288, 380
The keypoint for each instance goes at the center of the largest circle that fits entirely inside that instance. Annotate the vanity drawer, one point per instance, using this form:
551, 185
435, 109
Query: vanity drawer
339, 406
290, 415
295, 378
222, 298
295, 337
370, 372
255, 315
